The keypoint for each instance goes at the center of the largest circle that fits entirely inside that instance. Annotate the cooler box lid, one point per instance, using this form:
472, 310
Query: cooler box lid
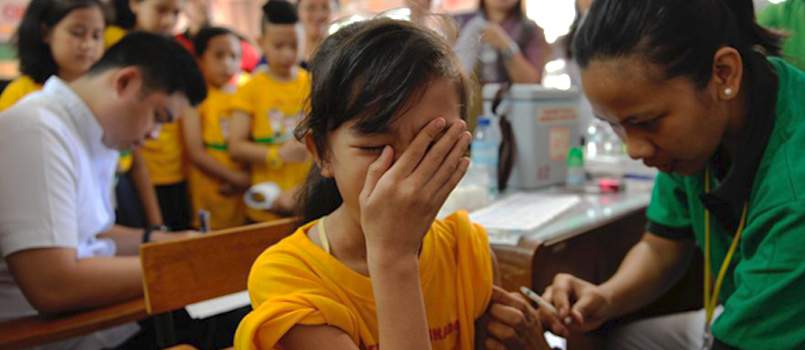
531, 92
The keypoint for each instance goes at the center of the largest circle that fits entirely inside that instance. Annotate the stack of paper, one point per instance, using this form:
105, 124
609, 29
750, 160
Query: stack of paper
520, 213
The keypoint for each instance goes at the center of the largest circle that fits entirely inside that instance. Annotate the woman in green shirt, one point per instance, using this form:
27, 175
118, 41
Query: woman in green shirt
689, 87
788, 17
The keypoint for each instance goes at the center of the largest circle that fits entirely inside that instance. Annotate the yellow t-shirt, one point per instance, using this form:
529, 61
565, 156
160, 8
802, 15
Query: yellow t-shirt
164, 156
112, 34
16, 90
275, 107
296, 282
225, 211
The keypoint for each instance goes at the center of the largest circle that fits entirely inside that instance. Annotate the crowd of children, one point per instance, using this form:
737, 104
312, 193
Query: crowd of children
240, 136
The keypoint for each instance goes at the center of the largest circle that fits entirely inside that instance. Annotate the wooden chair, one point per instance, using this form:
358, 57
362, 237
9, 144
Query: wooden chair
183, 272
42, 329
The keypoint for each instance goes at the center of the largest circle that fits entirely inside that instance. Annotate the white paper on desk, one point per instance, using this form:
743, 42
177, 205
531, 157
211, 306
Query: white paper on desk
523, 211
217, 306
555, 342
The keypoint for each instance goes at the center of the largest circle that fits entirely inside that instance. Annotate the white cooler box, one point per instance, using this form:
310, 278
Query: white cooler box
545, 124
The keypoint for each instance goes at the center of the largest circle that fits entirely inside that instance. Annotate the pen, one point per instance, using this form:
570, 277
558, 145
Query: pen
542, 303
204, 221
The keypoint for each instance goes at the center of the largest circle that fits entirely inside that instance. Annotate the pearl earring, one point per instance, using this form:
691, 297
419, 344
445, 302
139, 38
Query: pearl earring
728, 92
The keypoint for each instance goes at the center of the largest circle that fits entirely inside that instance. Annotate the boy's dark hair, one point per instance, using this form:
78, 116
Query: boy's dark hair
166, 65
278, 12
382, 66
206, 34
36, 60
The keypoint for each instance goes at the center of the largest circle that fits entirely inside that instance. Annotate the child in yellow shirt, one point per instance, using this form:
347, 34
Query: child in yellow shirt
153, 16
55, 38
156, 170
163, 155
386, 133
216, 181
266, 110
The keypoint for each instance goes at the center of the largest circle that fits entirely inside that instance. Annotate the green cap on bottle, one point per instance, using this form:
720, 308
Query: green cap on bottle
575, 157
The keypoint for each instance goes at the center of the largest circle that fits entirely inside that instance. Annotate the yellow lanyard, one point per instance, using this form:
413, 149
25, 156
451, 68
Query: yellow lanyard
711, 300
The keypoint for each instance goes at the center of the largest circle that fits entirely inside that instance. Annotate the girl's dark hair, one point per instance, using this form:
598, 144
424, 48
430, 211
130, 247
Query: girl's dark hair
681, 36
517, 11
567, 40
371, 72
124, 16
206, 34
36, 60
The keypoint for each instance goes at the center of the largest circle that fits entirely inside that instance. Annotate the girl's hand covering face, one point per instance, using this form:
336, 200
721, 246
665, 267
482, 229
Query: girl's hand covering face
399, 201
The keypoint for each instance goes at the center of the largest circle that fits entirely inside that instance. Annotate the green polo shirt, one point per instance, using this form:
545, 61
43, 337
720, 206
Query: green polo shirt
764, 289
788, 17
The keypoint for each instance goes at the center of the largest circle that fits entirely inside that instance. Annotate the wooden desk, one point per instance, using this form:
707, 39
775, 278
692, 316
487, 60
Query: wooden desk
617, 219
589, 241
36, 330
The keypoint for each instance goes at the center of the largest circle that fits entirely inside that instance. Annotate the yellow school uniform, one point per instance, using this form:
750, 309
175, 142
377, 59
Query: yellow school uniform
164, 156
124, 162
16, 90
112, 34
275, 107
225, 211
296, 283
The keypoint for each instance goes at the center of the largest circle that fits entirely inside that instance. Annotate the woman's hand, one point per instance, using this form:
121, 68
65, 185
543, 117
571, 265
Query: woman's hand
399, 202
582, 305
494, 35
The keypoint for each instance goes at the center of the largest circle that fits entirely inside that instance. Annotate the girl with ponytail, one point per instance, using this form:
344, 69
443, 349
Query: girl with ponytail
694, 88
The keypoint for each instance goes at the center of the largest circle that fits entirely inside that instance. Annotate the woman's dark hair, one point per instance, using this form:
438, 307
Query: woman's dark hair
206, 34
382, 66
36, 59
680, 36
517, 11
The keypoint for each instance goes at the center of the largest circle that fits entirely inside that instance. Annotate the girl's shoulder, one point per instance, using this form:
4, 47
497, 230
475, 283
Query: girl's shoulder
287, 250
456, 230
16, 90
283, 267
25, 84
